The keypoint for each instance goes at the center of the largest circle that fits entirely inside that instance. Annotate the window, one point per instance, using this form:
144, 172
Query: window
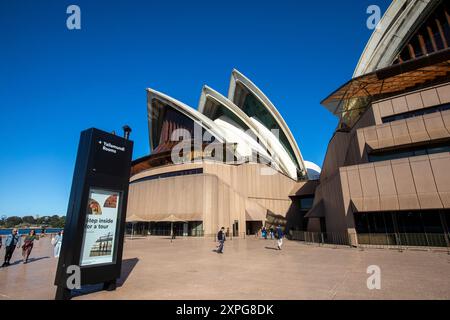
417, 221
170, 174
409, 152
416, 113
306, 203
253, 108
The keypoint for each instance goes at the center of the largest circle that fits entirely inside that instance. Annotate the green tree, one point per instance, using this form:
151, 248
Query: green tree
28, 220
44, 220
13, 221
54, 221
3, 221
61, 222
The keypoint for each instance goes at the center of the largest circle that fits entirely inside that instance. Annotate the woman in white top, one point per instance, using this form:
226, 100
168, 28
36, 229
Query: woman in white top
57, 241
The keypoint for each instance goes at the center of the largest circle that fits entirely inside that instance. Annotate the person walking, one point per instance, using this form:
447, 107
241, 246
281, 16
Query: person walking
271, 232
28, 245
264, 233
221, 239
56, 242
13, 240
279, 237
174, 232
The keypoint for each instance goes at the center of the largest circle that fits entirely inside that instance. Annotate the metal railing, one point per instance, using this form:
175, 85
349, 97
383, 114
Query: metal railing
401, 240
320, 238
374, 240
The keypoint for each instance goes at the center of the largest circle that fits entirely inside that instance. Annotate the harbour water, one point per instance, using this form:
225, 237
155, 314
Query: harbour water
27, 230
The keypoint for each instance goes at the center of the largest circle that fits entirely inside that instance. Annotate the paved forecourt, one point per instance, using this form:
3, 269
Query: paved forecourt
188, 268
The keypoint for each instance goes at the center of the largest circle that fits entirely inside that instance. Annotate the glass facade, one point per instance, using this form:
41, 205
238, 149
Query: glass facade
170, 174
418, 221
254, 108
220, 110
410, 152
191, 228
306, 203
404, 228
416, 113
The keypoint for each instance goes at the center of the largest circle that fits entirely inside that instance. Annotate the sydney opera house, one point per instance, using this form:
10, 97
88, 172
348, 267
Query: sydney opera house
237, 163
386, 170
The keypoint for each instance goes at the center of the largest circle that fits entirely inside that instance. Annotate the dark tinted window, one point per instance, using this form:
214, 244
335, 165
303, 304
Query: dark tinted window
170, 174
306, 203
416, 113
409, 152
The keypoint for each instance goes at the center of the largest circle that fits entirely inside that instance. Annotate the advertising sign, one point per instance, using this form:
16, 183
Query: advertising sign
100, 230
95, 222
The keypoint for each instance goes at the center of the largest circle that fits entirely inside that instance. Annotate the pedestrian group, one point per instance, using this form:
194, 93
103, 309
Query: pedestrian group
14, 241
273, 233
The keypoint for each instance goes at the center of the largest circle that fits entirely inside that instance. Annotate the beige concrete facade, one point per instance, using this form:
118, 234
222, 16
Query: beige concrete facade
349, 183
219, 196
224, 194
387, 158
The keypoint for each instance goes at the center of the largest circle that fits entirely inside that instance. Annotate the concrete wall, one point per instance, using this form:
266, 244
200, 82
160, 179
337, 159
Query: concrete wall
418, 129
415, 183
412, 101
218, 197
257, 182
349, 183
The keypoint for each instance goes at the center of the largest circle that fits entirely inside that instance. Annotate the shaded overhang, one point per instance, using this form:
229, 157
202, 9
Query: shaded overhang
254, 211
304, 188
154, 116
317, 211
354, 97
135, 218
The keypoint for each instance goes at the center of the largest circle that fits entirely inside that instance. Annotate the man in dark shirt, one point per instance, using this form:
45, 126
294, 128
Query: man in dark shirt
221, 239
12, 240
280, 236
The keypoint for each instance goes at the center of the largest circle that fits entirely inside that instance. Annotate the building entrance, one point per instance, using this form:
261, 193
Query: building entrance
252, 227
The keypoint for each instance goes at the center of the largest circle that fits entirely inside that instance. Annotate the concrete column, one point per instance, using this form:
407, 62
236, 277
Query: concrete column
353, 237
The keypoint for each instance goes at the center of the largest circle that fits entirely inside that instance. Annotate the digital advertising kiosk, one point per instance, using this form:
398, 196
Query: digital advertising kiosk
95, 223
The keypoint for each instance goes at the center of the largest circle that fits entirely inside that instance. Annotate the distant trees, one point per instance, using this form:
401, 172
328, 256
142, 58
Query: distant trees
54, 221
28, 220
57, 221
43, 220
2, 221
13, 221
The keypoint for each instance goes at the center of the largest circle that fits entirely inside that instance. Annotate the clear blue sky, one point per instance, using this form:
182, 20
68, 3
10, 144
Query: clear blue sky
55, 82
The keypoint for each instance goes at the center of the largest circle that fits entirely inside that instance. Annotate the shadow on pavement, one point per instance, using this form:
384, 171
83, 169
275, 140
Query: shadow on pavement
30, 260
127, 266
271, 248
